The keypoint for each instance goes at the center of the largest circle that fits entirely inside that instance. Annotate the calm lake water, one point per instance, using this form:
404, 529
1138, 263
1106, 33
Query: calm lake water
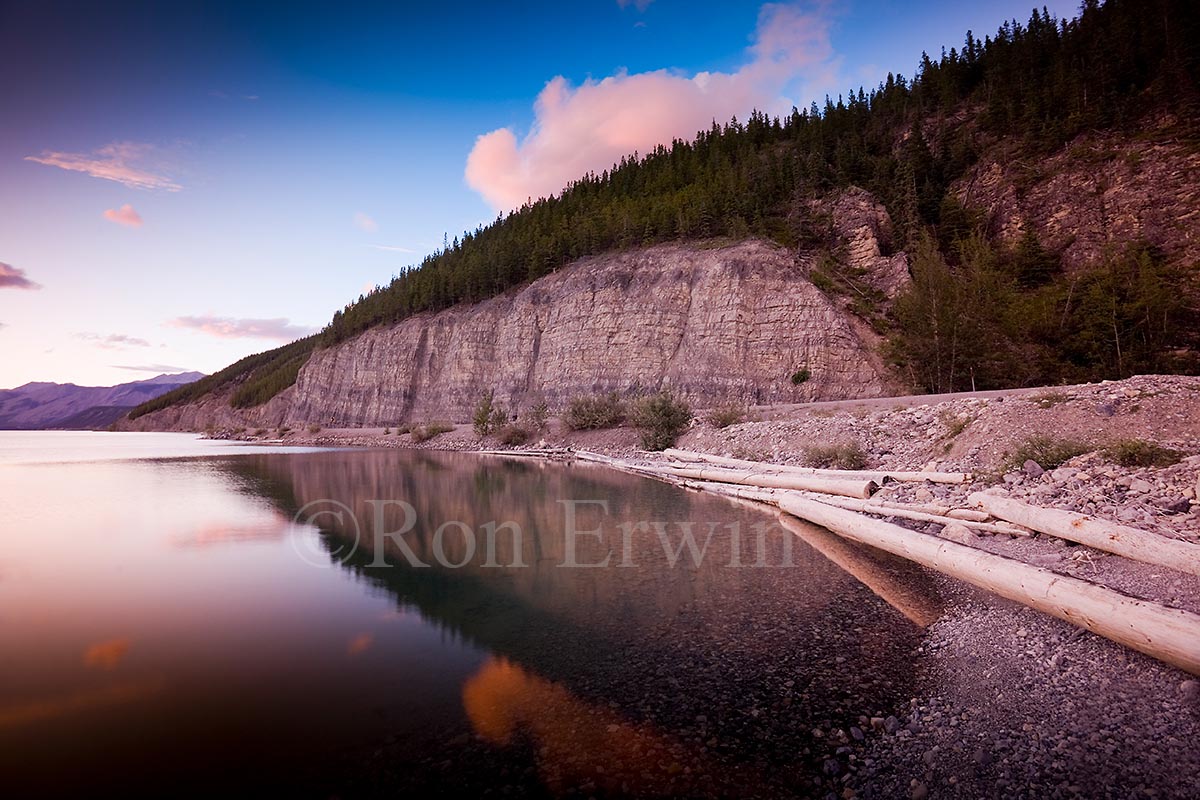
180, 616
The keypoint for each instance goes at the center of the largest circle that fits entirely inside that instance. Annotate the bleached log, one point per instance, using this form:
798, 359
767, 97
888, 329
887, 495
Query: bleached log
1169, 634
897, 510
811, 483
1103, 535
877, 475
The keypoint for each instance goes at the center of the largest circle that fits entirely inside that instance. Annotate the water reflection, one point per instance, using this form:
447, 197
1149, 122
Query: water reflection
612, 660
164, 627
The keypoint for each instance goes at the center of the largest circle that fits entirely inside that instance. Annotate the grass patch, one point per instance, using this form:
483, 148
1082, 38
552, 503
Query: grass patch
842, 455
955, 424
1140, 453
1049, 399
595, 412
423, 433
1047, 452
726, 415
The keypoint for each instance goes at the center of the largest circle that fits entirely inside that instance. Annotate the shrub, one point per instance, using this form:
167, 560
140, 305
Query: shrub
386, 431
661, 419
1046, 452
282, 432
260, 431
726, 415
426, 432
593, 413
512, 435
1140, 453
314, 428
483, 420
801, 375
403, 429
537, 417
843, 455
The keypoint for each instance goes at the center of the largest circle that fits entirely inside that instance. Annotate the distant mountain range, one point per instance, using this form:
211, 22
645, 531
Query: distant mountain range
37, 406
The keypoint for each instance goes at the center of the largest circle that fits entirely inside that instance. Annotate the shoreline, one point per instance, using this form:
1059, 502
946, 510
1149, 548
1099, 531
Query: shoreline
1021, 702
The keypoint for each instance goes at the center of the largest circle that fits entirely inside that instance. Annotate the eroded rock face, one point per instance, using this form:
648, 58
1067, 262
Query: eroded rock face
862, 223
714, 324
1099, 192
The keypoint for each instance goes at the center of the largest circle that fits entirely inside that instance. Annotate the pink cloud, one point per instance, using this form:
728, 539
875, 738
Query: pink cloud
280, 328
365, 223
125, 215
14, 278
113, 162
589, 127
114, 341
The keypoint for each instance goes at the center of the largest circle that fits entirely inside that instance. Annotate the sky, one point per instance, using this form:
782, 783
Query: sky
185, 183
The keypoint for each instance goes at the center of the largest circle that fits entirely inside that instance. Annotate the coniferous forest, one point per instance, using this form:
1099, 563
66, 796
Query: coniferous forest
979, 313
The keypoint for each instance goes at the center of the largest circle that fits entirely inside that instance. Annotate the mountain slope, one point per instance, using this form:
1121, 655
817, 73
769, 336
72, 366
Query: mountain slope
1041, 181
65, 405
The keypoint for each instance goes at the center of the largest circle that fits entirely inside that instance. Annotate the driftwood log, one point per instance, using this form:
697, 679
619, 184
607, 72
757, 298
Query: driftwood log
846, 487
864, 474
1100, 534
1169, 634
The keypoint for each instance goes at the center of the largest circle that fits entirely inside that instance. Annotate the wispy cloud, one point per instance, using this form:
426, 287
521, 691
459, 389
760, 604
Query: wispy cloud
394, 248
113, 341
640, 5
117, 162
585, 128
125, 215
13, 278
280, 329
365, 223
155, 368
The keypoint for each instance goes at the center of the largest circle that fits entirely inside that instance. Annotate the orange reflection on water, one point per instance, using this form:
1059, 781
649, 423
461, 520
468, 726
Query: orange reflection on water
106, 655
217, 534
575, 742
360, 644
76, 703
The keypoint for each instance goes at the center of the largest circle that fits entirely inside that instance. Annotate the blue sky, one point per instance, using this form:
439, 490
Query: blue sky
182, 183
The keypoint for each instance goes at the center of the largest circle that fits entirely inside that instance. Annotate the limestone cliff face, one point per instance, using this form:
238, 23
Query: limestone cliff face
712, 323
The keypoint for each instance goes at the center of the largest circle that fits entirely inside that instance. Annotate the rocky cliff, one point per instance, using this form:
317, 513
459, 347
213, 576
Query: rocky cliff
715, 323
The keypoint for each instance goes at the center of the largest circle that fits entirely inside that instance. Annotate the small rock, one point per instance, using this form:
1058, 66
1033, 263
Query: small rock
1032, 469
959, 533
919, 792
1190, 690
1140, 486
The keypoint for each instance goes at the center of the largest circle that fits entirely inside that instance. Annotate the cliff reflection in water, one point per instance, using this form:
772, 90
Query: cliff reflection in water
660, 657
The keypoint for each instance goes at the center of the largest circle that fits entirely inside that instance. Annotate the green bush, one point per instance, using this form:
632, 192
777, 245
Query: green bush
843, 455
537, 417
1047, 452
1140, 453
512, 435
801, 376
423, 433
726, 415
661, 419
485, 412
595, 412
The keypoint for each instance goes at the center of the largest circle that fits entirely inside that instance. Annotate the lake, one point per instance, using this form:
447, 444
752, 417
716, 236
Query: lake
182, 616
